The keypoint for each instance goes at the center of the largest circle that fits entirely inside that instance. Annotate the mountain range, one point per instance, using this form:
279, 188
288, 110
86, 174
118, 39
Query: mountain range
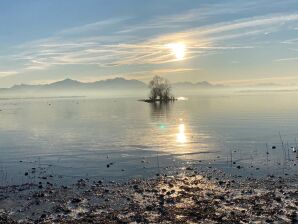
74, 87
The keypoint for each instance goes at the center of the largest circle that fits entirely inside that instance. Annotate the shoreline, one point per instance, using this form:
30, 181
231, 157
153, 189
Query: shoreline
190, 196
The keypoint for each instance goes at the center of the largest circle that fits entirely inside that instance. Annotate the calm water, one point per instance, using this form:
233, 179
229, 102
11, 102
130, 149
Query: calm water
79, 137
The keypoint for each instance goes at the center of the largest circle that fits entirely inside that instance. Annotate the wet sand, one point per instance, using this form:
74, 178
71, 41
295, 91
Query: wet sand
190, 196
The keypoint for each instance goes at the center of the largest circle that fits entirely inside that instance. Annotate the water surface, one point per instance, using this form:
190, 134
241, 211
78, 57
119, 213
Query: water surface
123, 138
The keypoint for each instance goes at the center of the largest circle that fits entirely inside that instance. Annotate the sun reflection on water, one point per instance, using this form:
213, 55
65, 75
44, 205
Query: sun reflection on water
181, 137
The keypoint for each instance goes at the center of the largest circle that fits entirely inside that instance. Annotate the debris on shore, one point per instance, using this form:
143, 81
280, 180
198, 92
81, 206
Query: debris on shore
189, 197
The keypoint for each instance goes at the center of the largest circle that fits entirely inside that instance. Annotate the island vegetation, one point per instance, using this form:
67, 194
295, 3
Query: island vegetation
160, 90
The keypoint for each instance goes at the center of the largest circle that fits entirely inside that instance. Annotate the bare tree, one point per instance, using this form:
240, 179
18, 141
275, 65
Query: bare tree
160, 89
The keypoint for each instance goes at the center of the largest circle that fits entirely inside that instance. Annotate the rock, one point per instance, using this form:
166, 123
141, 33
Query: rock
221, 182
76, 200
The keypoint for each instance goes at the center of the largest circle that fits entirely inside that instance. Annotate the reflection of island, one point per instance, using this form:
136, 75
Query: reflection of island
160, 112
160, 109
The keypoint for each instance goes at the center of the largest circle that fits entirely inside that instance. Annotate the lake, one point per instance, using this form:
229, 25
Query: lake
71, 138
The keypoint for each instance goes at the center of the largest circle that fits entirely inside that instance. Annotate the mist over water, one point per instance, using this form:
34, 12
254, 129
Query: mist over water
123, 138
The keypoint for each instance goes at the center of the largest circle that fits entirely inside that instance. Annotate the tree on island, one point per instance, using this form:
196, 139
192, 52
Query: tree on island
160, 90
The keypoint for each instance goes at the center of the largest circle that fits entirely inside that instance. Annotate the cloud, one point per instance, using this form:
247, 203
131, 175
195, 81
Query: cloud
93, 26
7, 73
173, 70
126, 45
284, 80
290, 41
286, 59
200, 14
204, 13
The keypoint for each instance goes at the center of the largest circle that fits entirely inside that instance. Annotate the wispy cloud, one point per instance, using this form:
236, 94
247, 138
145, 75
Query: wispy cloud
290, 41
7, 73
173, 70
114, 42
180, 20
284, 80
286, 59
204, 13
93, 26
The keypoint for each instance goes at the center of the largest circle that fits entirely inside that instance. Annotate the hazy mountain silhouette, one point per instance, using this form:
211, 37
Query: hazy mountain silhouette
113, 86
187, 85
120, 83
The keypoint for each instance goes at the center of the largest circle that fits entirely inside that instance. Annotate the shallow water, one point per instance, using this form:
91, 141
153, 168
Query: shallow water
122, 138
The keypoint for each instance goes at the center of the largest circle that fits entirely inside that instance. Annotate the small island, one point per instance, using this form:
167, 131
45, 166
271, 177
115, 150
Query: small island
160, 91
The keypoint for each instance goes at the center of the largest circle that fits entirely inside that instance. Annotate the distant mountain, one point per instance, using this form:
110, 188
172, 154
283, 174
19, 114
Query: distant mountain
69, 87
66, 83
120, 83
73, 84
116, 86
187, 85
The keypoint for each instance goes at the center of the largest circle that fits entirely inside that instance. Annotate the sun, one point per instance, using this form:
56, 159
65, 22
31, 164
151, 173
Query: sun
178, 49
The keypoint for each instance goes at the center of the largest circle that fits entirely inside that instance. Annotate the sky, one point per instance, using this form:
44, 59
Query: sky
231, 42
